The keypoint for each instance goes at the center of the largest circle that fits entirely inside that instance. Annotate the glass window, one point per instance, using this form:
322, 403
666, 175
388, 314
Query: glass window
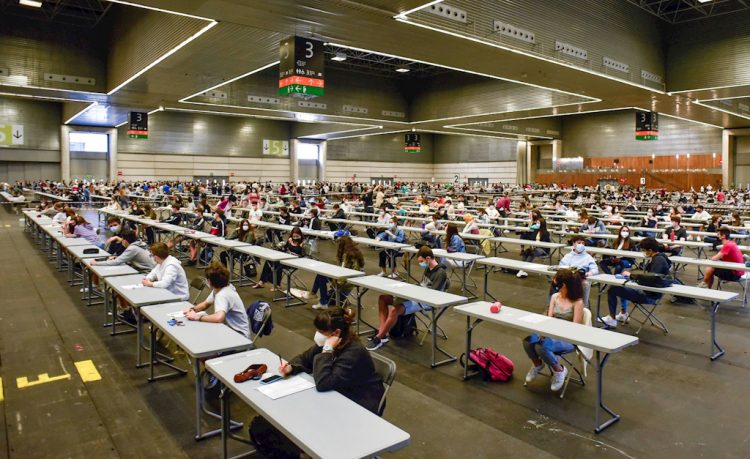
89, 141
308, 151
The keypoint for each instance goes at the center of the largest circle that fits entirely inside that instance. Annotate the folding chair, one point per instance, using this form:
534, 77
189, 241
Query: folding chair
648, 309
425, 319
198, 284
254, 337
742, 282
386, 369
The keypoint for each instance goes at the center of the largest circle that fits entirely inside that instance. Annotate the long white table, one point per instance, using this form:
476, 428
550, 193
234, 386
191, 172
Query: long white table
358, 432
604, 343
714, 297
465, 262
438, 301
328, 270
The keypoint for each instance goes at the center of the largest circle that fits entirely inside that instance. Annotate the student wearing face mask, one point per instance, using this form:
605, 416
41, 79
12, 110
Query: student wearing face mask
657, 263
116, 227
390, 308
245, 232
292, 245
348, 256
578, 258
674, 233
388, 256
539, 233
167, 273
731, 253
616, 265
228, 306
594, 226
337, 361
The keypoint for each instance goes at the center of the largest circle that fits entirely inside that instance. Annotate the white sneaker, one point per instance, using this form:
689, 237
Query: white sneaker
702, 284
84, 290
558, 379
381, 274
522, 274
608, 321
393, 276
623, 317
534, 372
319, 306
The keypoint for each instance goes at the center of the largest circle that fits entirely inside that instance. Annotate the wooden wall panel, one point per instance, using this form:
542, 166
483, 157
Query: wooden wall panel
672, 181
659, 162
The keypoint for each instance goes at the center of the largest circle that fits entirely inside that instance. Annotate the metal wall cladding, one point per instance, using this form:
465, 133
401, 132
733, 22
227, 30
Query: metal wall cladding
709, 53
613, 134
29, 49
464, 149
379, 148
201, 134
41, 122
461, 94
611, 28
342, 88
12, 171
742, 160
140, 37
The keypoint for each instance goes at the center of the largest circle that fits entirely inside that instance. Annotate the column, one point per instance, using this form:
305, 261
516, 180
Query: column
65, 153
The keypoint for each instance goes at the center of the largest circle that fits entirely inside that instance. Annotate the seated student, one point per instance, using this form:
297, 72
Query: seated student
337, 362
566, 304
116, 227
388, 256
453, 244
338, 214
135, 254
616, 265
540, 234
658, 263
282, 219
713, 226
83, 229
292, 245
167, 273
313, 222
60, 214
256, 211
228, 306
135, 209
674, 233
471, 226
348, 256
435, 277
245, 232
148, 212
730, 253
701, 214
384, 218
578, 258
175, 217
594, 226
430, 229
648, 221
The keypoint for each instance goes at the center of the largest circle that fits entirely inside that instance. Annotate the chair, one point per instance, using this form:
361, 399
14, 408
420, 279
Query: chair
199, 284
425, 318
254, 337
742, 282
386, 369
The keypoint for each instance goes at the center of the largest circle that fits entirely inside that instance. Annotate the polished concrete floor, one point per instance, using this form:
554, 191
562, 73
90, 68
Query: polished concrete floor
673, 400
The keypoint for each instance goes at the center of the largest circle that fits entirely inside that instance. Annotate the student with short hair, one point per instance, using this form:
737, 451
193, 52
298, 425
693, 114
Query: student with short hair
674, 233
388, 256
228, 306
435, 276
168, 273
730, 253
135, 254
293, 245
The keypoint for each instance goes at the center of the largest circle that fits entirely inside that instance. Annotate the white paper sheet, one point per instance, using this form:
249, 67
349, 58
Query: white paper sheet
131, 287
287, 387
533, 318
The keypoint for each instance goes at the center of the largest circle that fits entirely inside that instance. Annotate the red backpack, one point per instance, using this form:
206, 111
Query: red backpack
492, 365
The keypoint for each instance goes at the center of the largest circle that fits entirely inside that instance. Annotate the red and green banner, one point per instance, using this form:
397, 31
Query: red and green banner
646, 126
301, 85
133, 134
647, 135
412, 149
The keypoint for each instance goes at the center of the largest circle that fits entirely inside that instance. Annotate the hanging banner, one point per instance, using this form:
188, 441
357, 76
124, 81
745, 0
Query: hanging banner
646, 126
275, 147
301, 67
412, 143
138, 125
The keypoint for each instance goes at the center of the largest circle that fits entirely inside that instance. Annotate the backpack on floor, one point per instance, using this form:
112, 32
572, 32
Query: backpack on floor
405, 326
492, 365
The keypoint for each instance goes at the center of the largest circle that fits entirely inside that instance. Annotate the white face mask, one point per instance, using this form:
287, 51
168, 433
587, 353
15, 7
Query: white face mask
245, 228
319, 338
579, 248
625, 233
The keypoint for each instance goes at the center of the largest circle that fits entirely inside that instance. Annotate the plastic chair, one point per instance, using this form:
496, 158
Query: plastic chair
386, 369
199, 284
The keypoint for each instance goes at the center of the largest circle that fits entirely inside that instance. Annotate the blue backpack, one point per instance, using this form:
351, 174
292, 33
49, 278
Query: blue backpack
255, 313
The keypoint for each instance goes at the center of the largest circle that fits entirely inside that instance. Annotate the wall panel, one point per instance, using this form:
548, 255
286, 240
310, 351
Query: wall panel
458, 148
496, 171
147, 166
386, 147
342, 171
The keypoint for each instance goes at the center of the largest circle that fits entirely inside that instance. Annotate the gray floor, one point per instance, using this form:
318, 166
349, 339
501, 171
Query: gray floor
673, 400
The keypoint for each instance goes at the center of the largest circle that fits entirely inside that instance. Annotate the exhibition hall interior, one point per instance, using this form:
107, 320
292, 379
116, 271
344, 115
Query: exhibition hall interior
374, 228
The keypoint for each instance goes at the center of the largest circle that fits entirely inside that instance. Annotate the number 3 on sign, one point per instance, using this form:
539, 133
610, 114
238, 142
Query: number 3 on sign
308, 49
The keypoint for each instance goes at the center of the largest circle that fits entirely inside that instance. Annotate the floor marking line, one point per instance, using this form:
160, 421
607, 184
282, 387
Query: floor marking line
44, 378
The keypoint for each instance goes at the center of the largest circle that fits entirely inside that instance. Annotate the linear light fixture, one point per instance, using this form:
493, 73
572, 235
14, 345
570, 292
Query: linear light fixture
339, 57
729, 112
184, 43
546, 116
406, 20
259, 69
161, 10
31, 3
81, 112
312, 136
403, 70
367, 135
158, 109
433, 131
31, 96
426, 5
499, 132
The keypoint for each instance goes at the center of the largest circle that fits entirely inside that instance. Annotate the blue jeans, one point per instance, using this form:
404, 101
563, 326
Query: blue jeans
614, 268
546, 349
627, 293
321, 284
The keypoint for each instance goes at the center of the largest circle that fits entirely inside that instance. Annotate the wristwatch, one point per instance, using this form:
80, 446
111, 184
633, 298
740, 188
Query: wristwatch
327, 348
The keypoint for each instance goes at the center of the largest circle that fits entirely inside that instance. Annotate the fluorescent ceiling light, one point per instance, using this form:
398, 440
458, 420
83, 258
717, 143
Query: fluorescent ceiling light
704, 1
339, 57
205, 29
403, 70
161, 10
32, 3
259, 69
85, 109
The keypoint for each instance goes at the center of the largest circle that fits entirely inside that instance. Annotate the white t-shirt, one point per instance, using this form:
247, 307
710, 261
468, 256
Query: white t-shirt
229, 301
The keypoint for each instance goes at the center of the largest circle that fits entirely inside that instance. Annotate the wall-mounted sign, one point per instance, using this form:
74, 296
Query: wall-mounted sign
275, 147
301, 67
11, 134
412, 143
138, 125
646, 126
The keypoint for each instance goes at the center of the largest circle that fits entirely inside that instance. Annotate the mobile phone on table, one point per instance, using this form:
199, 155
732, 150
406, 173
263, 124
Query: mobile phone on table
270, 379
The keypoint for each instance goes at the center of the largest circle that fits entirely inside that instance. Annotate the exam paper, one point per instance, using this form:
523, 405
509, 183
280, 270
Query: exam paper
131, 287
286, 387
533, 318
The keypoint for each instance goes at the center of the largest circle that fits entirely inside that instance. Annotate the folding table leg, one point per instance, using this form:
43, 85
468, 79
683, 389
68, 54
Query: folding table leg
614, 417
714, 344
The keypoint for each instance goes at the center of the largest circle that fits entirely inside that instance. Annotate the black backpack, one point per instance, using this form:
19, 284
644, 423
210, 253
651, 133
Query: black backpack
648, 279
405, 327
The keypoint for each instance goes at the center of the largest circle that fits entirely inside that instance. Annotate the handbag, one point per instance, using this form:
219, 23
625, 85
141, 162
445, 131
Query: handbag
254, 371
